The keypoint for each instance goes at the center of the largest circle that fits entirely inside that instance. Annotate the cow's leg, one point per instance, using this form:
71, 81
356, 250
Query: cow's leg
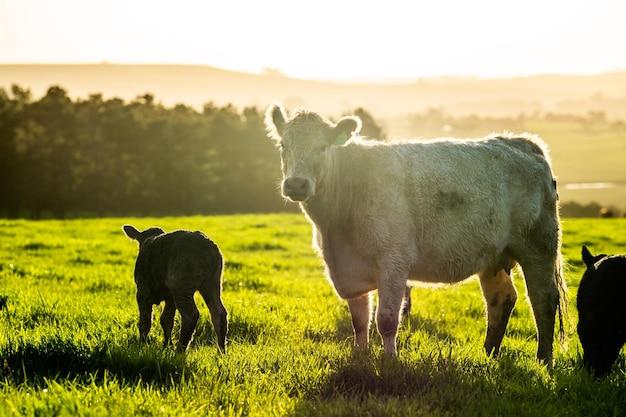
189, 318
360, 310
390, 293
539, 274
406, 307
219, 315
500, 297
167, 321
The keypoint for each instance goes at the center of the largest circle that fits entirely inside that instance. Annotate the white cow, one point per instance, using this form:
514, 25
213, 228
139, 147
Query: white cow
434, 211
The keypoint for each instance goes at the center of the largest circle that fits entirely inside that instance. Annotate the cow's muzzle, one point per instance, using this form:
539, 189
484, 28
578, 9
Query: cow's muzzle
297, 188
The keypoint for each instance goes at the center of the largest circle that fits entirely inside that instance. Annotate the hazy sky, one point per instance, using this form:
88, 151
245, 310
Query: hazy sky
324, 39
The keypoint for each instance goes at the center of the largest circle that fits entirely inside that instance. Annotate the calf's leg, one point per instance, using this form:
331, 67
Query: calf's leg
360, 311
390, 293
145, 317
167, 321
500, 297
189, 318
219, 315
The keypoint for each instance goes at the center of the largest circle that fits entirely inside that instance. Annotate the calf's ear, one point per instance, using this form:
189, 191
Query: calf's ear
131, 232
588, 258
275, 119
344, 129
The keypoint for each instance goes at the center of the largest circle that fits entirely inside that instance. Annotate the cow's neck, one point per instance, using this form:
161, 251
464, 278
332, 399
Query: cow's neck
332, 205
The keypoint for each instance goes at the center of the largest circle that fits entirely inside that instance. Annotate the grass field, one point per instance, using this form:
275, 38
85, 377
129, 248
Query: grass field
68, 338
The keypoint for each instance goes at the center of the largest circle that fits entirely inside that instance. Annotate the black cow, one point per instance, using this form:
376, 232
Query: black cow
602, 310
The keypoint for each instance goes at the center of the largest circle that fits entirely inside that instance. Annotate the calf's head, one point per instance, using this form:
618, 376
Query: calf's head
595, 322
141, 237
304, 141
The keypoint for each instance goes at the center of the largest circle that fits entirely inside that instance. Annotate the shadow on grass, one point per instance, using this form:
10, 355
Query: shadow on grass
367, 385
54, 357
62, 356
362, 376
440, 383
443, 385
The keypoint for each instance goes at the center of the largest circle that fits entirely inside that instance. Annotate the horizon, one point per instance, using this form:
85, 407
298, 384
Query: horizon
271, 72
395, 43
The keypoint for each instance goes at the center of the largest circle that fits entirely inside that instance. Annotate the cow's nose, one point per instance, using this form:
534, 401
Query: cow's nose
295, 186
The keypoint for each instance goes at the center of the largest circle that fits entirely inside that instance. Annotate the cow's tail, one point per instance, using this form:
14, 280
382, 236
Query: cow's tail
562, 295
559, 278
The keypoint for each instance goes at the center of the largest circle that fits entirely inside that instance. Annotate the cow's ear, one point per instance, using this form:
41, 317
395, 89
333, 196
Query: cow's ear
345, 128
131, 232
588, 258
275, 119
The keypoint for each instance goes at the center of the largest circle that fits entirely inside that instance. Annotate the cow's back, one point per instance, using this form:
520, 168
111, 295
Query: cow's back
454, 177
449, 207
469, 199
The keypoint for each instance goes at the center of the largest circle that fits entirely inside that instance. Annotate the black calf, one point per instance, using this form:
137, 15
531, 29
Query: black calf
171, 267
601, 305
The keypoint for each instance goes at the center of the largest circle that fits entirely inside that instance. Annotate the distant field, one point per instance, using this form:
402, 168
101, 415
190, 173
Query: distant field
585, 156
68, 343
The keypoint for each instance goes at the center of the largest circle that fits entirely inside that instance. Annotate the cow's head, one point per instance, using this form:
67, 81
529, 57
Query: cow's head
305, 140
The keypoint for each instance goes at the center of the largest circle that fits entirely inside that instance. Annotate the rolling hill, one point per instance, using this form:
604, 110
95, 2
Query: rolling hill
196, 85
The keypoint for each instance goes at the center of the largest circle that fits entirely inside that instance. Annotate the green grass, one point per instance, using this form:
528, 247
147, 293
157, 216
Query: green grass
68, 339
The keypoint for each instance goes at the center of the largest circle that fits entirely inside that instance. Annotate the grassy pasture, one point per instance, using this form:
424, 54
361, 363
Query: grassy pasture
68, 339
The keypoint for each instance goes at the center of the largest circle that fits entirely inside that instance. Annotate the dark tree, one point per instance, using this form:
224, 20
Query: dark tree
370, 128
103, 157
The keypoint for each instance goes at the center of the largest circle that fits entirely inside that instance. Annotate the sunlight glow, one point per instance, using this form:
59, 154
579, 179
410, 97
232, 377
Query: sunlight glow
353, 40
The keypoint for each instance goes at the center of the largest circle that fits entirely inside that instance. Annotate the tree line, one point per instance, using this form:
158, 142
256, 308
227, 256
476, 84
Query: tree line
64, 157
96, 156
